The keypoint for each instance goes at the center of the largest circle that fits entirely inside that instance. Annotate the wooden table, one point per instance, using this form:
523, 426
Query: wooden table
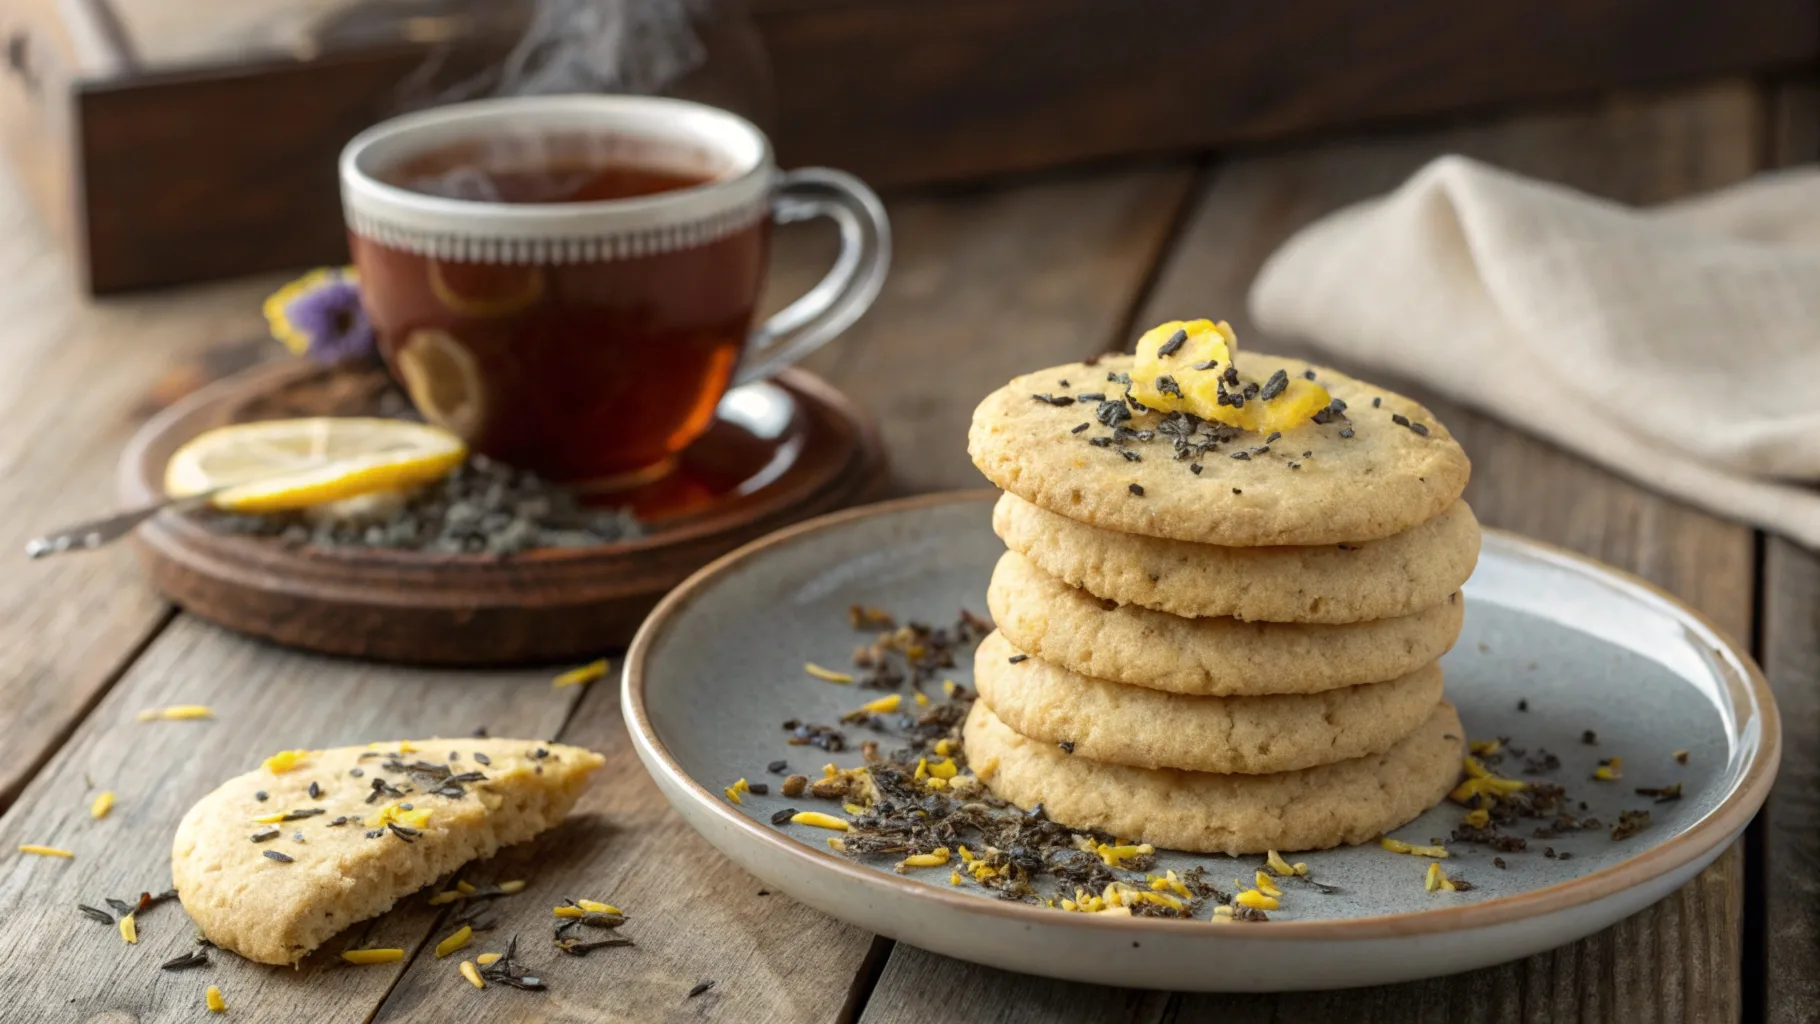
989, 281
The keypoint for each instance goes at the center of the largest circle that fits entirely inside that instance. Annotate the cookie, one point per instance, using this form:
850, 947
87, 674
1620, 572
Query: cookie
1222, 657
253, 888
1361, 476
1145, 728
1349, 801
1377, 579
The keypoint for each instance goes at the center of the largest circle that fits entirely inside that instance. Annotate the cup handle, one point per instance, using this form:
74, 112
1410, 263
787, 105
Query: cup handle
850, 285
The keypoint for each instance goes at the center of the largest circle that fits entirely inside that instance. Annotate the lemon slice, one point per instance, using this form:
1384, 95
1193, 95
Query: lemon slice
276, 465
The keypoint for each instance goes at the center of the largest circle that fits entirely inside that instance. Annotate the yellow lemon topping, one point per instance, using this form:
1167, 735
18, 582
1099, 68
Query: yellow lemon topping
1186, 366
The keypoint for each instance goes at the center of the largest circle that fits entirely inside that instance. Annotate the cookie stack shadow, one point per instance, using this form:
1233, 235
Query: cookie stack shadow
1218, 697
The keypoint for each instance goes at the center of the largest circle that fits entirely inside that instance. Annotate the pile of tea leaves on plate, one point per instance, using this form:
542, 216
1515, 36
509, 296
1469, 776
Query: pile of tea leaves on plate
918, 803
484, 507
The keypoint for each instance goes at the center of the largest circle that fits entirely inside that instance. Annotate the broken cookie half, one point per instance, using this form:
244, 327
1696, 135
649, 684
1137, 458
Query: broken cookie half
276, 861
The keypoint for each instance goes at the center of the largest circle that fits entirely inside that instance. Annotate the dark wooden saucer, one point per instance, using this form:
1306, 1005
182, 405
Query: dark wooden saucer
810, 452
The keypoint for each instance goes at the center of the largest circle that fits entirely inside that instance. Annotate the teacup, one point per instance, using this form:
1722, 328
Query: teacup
569, 282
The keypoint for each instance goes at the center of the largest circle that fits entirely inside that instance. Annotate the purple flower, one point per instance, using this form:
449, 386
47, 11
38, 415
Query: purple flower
327, 317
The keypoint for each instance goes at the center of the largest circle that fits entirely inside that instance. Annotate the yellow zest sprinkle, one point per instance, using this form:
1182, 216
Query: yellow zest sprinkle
1476, 770
1257, 900
1171, 882
954, 878
1301, 868
945, 770
516, 885
212, 999
1610, 771
1484, 747
922, 769
445, 896
285, 760
129, 930
1436, 879
486, 959
882, 706
733, 791
417, 817
46, 851
819, 820
933, 783
472, 973
464, 888
567, 911
372, 956
826, 674
462, 936
835, 844
829, 770
944, 747
934, 859
949, 687
1478, 819
176, 713
1482, 785
1275, 862
597, 907
104, 802
922, 700
853, 809
1266, 886
580, 676
1069, 905
269, 819
1399, 846
1222, 911
1113, 856
966, 855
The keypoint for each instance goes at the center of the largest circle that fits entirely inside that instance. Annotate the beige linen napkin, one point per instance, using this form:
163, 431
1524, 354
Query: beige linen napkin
1678, 345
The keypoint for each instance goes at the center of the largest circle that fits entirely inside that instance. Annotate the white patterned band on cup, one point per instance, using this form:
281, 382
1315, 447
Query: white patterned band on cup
736, 198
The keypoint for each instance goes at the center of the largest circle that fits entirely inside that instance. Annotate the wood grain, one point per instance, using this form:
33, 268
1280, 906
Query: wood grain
1679, 959
1791, 658
75, 381
59, 966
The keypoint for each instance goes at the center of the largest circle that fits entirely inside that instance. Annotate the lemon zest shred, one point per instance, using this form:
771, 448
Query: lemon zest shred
1610, 771
1436, 879
382, 955
176, 713
1257, 900
513, 887
1275, 862
129, 930
597, 907
950, 687
933, 859
487, 959
922, 700
738, 787
1399, 846
1266, 886
456, 940
883, 706
581, 676
827, 675
472, 973
819, 820
212, 999
46, 851
944, 747
104, 802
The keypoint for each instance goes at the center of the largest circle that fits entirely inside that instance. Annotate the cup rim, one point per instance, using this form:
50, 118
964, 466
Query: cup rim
494, 232
359, 182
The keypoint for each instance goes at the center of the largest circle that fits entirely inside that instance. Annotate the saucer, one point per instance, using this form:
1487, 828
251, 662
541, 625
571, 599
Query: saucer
1554, 645
778, 452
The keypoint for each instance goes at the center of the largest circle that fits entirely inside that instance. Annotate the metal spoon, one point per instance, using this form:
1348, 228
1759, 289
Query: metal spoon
93, 534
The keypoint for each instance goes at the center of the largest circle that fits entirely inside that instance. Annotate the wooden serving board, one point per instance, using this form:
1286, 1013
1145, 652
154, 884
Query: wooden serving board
543, 605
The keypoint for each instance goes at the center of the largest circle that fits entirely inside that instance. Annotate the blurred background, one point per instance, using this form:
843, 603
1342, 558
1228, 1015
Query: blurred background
178, 140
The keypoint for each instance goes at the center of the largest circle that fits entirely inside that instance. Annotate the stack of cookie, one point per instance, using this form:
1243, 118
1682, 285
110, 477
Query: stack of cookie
1218, 630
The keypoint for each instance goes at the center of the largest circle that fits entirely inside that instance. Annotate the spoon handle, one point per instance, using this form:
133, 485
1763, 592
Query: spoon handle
93, 534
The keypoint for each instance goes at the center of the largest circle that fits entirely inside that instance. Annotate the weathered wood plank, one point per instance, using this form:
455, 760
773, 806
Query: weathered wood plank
1791, 658
992, 280
75, 381
1678, 960
58, 965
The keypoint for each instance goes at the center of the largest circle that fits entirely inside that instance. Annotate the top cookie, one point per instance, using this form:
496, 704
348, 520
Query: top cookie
1361, 475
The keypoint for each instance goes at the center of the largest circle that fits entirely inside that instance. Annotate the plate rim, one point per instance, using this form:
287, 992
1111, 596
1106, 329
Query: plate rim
1747, 793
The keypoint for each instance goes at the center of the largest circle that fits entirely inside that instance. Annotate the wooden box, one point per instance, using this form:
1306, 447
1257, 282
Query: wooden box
180, 140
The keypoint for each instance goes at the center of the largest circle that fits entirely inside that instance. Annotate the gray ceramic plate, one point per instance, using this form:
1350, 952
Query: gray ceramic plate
719, 665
